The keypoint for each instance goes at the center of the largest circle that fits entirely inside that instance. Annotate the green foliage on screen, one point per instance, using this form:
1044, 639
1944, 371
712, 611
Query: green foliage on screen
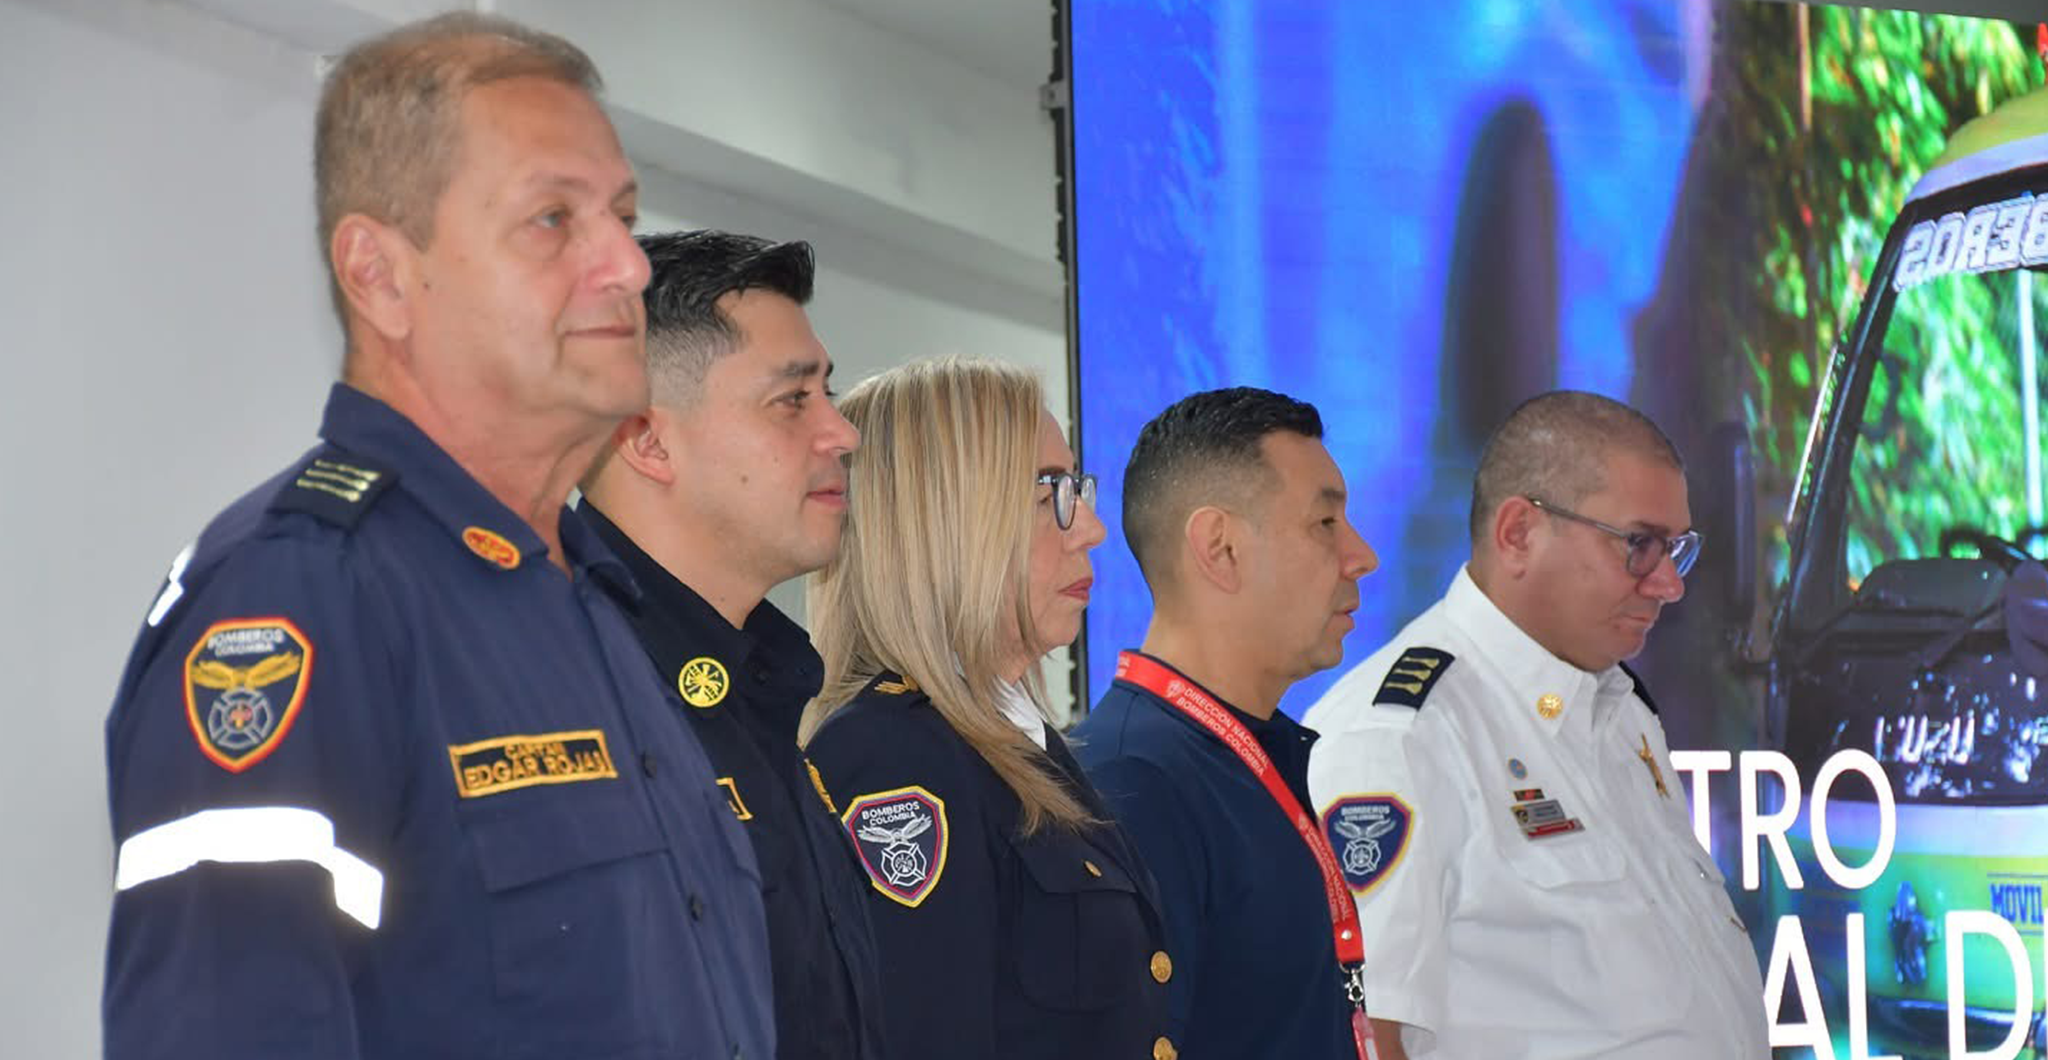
1839, 111
1942, 432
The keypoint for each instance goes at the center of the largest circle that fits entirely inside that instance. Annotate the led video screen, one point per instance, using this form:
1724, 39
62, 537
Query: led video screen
1717, 213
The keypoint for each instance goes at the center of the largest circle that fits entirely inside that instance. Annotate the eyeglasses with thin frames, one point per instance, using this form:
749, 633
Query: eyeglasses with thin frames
1644, 549
1066, 489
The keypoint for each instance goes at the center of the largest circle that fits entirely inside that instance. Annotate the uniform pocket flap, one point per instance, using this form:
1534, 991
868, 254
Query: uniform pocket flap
1564, 860
1066, 864
537, 843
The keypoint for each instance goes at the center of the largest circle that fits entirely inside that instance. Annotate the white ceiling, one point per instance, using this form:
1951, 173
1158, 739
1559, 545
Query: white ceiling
1010, 40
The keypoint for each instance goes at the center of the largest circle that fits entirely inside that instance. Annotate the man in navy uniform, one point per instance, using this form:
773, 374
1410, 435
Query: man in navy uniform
730, 483
389, 775
1235, 513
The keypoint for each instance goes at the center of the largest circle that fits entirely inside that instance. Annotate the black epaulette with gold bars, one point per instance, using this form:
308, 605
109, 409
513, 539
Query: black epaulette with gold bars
334, 486
1413, 675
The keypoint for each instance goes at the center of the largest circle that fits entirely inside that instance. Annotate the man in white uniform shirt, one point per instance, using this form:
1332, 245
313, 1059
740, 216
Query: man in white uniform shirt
1496, 782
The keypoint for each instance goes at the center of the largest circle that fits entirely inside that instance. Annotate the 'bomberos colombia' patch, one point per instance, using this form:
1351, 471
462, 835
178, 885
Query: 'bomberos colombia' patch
505, 763
901, 836
244, 683
1368, 834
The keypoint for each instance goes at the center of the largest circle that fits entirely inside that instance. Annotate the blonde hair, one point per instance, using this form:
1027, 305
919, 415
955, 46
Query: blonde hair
934, 554
390, 117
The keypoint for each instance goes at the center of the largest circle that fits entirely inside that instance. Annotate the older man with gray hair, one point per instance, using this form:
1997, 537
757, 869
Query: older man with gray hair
1496, 784
389, 774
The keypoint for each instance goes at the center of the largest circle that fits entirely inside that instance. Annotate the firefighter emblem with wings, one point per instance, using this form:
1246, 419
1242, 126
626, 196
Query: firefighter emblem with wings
902, 862
1361, 844
1368, 832
901, 836
244, 682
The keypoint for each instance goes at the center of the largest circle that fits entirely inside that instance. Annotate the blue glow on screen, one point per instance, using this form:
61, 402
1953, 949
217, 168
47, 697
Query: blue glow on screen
1268, 193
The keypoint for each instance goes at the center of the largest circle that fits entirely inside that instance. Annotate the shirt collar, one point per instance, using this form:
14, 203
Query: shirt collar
1017, 706
1287, 742
1277, 725
356, 422
677, 626
1528, 667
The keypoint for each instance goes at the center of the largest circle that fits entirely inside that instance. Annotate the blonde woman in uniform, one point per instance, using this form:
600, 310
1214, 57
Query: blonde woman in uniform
1013, 918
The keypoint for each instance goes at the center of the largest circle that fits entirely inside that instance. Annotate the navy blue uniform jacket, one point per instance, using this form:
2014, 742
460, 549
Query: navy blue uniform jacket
387, 783
1245, 909
742, 691
993, 944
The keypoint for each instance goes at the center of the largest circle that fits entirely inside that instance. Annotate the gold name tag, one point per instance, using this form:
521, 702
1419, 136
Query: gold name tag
488, 767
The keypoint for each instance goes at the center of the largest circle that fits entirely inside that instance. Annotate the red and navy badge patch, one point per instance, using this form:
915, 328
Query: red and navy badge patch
1368, 834
244, 683
492, 546
901, 836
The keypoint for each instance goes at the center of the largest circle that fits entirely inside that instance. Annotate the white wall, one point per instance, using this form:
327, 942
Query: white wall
169, 343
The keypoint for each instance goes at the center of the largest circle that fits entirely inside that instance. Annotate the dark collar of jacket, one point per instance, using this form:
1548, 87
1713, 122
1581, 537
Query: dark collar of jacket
771, 657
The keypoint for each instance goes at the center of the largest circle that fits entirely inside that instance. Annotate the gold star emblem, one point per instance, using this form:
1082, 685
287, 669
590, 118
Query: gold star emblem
703, 681
1656, 772
1550, 705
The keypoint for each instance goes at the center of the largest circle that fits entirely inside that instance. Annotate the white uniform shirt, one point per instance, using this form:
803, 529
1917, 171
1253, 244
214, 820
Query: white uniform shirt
1022, 713
1605, 933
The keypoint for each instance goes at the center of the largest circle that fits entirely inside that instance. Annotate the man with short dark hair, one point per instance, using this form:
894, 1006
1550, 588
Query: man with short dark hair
389, 776
731, 482
1235, 513
1497, 785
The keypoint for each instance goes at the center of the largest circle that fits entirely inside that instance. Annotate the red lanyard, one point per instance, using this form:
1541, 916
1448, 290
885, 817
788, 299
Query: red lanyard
1184, 696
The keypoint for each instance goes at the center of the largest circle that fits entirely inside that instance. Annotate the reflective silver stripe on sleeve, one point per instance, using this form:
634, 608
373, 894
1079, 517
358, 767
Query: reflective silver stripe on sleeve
173, 589
249, 835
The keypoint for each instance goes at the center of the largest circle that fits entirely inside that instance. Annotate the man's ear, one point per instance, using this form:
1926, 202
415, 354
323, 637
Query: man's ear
374, 265
1514, 535
1214, 549
637, 442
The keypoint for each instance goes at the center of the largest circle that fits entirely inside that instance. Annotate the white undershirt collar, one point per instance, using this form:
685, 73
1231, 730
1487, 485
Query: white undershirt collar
1022, 712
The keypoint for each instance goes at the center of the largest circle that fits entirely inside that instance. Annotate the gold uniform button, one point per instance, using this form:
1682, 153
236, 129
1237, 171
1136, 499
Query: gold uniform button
1090, 866
1164, 1050
1162, 966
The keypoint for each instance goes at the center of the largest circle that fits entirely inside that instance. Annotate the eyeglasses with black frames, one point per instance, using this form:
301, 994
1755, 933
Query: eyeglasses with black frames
1068, 488
1645, 549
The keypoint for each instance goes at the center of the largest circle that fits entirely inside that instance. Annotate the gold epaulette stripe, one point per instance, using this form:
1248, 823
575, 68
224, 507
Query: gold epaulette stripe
363, 473
350, 495
350, 481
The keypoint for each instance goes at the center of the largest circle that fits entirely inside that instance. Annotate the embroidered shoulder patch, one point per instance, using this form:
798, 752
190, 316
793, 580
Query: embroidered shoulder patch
505, 763
1412, 676
244, 683
1369, 834
901, 837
